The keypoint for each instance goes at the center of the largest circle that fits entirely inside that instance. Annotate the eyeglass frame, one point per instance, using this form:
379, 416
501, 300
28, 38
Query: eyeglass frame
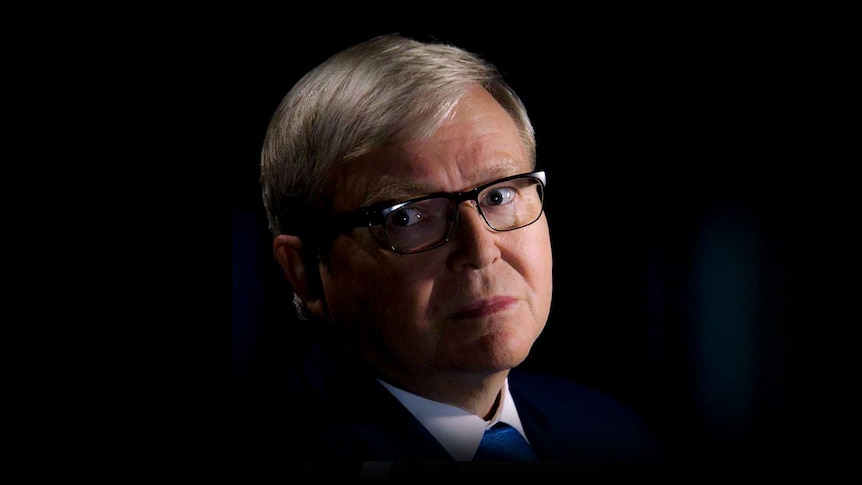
375, 214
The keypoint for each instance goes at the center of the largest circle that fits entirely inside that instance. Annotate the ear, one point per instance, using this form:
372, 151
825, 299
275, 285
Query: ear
302, 272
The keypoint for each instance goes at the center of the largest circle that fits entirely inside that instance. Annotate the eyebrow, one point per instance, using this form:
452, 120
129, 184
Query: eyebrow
394, 189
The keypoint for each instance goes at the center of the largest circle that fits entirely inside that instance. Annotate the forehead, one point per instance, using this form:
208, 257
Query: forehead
479, 143
392, 188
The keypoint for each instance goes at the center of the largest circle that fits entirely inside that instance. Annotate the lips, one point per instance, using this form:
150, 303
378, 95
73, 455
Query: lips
485, 307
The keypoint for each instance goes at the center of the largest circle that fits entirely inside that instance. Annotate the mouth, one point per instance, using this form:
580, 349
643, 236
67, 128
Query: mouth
484, 308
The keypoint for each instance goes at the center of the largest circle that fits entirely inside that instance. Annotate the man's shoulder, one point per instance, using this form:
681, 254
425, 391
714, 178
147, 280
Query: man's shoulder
544, 386
580, 423
563, 400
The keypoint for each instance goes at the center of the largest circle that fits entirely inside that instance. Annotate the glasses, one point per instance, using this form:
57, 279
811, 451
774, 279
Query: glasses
428, 222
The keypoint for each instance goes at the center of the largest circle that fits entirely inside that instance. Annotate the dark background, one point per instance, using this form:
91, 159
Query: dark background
699, 208
702, 196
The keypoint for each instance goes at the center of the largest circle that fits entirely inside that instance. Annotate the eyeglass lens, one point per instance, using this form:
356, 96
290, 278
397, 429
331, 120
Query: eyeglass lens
427, 223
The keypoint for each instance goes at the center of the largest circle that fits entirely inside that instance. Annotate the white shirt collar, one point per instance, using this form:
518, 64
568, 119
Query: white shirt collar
459, 431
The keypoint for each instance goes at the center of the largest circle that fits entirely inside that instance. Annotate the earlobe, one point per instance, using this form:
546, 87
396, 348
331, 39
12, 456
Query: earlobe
301, 272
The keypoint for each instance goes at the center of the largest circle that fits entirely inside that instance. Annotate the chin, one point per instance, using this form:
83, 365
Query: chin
499, 353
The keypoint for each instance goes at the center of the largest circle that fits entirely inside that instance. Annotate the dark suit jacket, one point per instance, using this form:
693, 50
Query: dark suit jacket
332, 415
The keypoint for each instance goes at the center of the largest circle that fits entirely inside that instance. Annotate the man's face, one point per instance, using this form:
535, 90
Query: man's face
474, 305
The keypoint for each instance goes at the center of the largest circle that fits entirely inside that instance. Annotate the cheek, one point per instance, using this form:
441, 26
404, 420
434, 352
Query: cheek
535, 258
386, 310
374, 287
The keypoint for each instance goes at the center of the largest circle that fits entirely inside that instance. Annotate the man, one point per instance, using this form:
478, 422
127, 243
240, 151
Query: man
402, 192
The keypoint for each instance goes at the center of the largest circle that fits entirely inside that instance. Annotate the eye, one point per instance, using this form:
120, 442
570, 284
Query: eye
406, 216
499, 196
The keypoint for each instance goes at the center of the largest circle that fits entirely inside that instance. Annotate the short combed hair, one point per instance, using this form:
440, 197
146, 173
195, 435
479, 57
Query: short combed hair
387, 90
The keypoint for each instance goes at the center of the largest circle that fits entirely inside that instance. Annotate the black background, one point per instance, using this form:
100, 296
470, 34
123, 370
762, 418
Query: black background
699, 203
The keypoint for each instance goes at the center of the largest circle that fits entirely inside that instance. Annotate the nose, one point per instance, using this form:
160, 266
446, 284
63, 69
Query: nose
474, 244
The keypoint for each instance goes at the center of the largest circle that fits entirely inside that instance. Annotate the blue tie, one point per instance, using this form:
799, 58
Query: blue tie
503, 443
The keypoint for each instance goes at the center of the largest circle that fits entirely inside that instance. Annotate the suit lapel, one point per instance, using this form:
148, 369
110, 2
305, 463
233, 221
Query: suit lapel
537, 426
374, 420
